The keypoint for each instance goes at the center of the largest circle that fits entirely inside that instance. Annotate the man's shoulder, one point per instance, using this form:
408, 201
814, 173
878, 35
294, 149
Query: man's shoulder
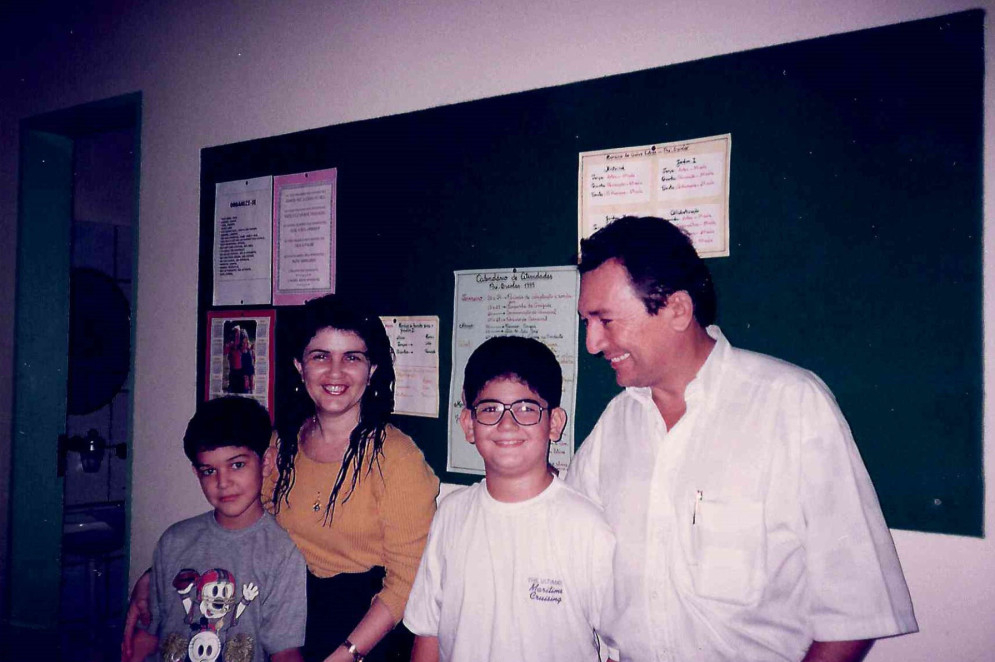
757, 368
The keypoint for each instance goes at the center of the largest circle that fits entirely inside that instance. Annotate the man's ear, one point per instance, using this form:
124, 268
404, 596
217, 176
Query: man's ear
269, 461
466, 422
681, 310
557, 421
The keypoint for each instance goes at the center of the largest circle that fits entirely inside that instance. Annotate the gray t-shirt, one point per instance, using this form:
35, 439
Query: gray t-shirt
227, 596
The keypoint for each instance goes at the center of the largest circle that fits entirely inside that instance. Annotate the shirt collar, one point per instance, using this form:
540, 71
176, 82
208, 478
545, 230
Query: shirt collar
707, 377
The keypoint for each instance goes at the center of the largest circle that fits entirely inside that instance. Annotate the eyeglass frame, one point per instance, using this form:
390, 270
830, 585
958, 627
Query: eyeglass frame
505, 408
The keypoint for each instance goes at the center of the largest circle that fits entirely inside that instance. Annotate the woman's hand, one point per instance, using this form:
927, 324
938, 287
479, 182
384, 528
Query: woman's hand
138, 612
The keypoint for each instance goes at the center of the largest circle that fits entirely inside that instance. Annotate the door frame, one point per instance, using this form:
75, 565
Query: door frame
41, 347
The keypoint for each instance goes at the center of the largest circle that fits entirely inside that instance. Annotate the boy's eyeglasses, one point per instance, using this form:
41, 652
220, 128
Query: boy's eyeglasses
490, 412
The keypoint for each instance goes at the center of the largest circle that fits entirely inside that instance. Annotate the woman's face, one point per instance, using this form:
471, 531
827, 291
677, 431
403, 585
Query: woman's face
336, 371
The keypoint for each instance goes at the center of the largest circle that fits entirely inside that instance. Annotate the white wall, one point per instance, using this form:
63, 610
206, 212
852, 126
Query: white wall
210, 76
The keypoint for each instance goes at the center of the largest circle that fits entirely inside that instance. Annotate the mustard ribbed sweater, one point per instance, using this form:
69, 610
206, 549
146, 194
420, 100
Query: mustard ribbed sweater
385, 521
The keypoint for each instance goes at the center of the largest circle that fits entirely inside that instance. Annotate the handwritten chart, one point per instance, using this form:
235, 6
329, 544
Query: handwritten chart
415, 341
685, 182
536, 303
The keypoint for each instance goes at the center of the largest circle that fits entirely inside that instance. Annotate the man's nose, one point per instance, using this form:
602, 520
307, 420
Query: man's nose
593, 338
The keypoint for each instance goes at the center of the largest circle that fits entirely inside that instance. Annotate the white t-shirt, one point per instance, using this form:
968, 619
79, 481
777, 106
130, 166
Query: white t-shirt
748, 530
513, 581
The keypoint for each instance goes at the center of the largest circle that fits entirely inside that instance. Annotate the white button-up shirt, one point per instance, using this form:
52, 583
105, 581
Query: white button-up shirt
748, 530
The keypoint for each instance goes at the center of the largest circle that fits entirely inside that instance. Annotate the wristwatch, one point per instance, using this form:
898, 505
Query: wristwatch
351, 647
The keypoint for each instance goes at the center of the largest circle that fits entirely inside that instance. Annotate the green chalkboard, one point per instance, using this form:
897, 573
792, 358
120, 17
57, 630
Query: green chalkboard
855, 238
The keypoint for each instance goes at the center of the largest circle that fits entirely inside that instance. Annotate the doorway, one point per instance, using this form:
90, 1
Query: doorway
70, 469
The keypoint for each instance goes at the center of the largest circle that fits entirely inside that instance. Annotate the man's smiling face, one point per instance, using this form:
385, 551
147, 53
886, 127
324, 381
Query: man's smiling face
639, 346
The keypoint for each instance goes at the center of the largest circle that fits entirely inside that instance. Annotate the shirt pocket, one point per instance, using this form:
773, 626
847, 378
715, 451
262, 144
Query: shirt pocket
728, 548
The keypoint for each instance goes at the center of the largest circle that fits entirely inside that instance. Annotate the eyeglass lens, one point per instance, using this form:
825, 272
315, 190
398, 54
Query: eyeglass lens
525, 412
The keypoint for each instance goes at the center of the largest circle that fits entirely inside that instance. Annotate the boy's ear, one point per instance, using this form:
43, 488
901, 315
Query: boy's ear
269, 461
466, 422
557, 421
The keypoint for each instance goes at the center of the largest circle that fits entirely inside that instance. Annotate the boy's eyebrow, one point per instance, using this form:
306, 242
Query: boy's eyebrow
227, 459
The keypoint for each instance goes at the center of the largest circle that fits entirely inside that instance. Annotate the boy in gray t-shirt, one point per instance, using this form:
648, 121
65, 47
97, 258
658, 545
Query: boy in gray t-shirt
227, 585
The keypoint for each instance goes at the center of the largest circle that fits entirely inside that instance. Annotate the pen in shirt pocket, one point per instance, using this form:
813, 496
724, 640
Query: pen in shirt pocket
697, 504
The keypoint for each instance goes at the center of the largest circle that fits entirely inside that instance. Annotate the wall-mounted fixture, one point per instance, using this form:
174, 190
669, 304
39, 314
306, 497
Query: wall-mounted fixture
91, 449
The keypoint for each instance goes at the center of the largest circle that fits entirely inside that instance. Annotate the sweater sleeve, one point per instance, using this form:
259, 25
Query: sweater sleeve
406, 507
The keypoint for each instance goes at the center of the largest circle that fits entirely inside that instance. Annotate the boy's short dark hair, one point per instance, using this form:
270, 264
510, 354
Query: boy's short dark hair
525, 359
228, 421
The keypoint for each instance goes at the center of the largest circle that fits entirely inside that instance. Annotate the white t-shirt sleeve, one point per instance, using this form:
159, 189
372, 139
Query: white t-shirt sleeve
424, 608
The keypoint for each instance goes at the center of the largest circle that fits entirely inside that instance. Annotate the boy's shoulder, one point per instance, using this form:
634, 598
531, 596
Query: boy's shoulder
573, 504
265, 531
458, 500
187, 528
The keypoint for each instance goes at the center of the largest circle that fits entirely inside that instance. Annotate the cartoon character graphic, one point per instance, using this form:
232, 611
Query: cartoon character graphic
205, 646
207, 601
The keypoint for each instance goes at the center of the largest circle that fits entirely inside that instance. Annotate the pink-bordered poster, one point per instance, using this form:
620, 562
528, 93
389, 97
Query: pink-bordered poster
303, 236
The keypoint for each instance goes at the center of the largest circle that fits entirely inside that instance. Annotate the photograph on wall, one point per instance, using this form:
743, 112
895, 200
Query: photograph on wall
535, 302
303, 236
240, 355
243, 223
415, 341
685, 182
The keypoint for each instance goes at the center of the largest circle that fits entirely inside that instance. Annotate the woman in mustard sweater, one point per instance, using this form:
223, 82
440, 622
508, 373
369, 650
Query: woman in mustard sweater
354, 493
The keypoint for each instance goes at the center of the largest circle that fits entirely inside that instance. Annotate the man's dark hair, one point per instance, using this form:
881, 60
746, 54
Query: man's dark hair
523, 359
660, 260
228, 421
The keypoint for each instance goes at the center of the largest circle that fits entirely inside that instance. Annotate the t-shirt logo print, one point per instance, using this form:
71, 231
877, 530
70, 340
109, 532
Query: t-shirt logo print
207, 600
544, 589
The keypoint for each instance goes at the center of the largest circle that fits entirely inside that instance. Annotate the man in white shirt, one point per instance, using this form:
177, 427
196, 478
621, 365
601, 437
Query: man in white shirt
747, 527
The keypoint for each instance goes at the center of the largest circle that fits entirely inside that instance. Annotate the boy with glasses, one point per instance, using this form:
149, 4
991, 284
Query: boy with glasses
517, 567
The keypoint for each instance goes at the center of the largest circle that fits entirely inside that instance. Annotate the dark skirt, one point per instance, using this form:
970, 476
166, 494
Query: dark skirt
334, 608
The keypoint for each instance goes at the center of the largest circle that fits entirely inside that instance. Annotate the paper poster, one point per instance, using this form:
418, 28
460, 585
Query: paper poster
303, 236
539, 302
415, 340
684, 182
240, 355
243, 242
